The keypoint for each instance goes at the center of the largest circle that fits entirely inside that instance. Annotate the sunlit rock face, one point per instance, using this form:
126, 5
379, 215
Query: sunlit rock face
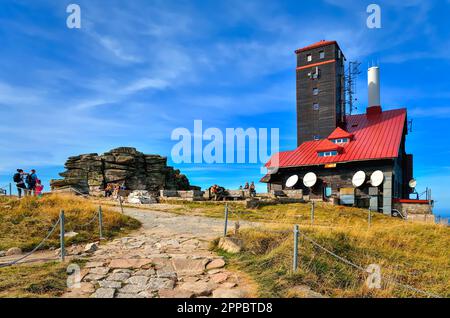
91, 173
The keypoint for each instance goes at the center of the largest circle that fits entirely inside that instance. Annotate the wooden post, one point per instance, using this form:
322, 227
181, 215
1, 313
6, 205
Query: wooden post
295, 259
61, 234
100, 221
226, 220
120, 202
312, 212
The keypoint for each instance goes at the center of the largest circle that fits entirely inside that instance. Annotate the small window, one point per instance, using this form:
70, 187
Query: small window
339, 53
321, 54
316, 106
315, 91
309, 57
340, 140
328, 153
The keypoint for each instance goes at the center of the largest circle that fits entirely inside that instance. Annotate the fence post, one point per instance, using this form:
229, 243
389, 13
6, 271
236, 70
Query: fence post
295, 261
226, 220
10, 189
120, 202
61, 234
312, 212
100, 221
370, 217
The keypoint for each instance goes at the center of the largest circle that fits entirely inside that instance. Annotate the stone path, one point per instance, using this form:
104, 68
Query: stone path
169, 257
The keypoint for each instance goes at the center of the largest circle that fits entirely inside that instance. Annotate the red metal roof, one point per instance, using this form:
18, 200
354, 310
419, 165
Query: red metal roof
377, 136
315, 45
340, 133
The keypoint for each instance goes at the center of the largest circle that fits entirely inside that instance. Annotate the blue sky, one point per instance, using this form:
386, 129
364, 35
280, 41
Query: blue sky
136, 70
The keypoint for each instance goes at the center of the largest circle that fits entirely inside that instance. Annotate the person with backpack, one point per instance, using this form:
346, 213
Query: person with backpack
20, 184
31, 181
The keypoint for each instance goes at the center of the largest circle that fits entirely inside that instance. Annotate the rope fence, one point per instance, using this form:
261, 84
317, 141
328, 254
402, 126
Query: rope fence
62, 222
298, 233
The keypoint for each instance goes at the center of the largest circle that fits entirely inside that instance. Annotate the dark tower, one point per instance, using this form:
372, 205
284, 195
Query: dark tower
320, 90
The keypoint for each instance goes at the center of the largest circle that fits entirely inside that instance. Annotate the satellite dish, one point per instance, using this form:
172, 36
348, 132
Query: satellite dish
309, 179
358, 179
412, 183
377, 178
292, 181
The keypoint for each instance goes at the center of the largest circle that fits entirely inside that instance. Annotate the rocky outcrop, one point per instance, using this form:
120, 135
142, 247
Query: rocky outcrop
90, 173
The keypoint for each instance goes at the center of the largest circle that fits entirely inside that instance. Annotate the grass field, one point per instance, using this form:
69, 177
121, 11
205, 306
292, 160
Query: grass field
415, 254
24, 223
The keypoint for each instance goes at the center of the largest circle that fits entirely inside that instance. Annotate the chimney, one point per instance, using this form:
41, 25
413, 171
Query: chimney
373, 81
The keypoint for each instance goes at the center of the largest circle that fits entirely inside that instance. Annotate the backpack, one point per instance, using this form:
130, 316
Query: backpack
29, 179
17, 177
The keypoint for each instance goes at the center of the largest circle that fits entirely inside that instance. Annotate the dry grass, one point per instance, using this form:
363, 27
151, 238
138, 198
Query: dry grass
416, 254
33, 281
24, 223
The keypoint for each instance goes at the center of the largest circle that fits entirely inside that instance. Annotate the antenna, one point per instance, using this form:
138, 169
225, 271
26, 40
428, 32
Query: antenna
410, 125
352, 73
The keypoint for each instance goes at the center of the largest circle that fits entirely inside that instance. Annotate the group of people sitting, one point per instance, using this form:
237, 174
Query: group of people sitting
28, 183
112, 189
250, 187
219, 193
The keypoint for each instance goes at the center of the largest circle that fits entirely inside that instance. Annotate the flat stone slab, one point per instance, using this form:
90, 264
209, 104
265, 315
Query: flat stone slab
189, 267
174, 293
132, 289
119, 277
104, 293
155, 284
109, 284
129, 262
198, 288
229, 293
216, 263
137, 280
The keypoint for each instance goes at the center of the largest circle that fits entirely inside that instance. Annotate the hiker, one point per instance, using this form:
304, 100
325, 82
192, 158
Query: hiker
246, 187
116, 189
108, 190
20, 184
252, 189
31, 181
38, 188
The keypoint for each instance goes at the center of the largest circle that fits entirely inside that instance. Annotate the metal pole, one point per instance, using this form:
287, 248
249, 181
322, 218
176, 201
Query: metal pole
226, 220
295, 261
10, 189
120, 202
61, 234
312, 212
100, 221
370, 217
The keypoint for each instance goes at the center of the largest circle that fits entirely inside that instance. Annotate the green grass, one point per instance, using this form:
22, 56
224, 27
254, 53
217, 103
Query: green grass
24, 223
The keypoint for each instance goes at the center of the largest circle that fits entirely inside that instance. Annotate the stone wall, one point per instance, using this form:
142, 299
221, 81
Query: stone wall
90, 173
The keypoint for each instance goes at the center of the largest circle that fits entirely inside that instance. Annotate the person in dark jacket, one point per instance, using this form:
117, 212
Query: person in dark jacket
20, 183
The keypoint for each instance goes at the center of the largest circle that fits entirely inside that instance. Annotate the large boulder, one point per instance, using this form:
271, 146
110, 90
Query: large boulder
90, 173
141, 197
